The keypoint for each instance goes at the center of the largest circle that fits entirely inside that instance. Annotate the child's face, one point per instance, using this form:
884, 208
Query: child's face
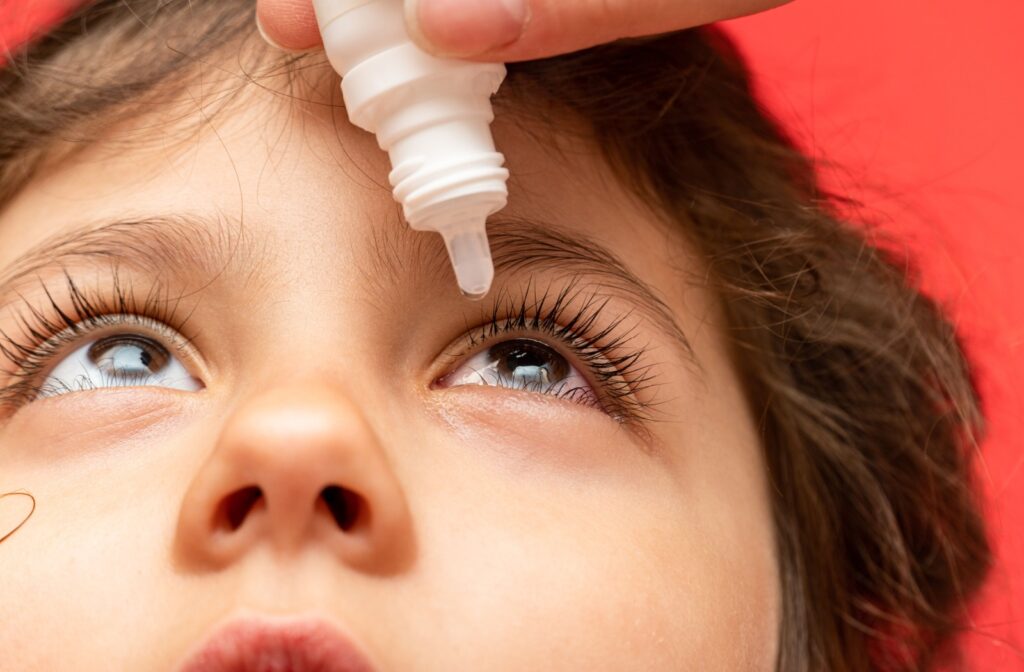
504, 519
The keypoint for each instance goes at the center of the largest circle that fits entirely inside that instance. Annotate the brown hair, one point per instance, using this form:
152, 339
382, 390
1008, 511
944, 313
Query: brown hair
869, 417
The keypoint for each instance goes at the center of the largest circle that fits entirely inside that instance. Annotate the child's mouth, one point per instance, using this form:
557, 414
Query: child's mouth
276, 645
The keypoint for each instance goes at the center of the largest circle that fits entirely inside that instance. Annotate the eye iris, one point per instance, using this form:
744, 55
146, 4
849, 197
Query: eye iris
529, 363
128, 357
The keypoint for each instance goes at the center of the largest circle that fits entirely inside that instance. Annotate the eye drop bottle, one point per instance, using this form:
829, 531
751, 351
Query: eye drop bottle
433, 117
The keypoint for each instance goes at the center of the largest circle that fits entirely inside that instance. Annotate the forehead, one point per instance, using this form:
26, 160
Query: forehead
272, 145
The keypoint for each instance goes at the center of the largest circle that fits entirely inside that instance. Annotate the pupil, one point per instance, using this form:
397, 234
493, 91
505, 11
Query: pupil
530, 362
127, 356
523, 357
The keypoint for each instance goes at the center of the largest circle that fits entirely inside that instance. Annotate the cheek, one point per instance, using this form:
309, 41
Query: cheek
563, 544
83, 569
91, 563
579, 578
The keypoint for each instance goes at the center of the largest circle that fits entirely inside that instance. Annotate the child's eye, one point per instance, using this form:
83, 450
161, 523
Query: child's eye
524, 364
121, 360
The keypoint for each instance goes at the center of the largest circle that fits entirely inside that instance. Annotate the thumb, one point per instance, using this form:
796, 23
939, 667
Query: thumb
514, 30
288, 24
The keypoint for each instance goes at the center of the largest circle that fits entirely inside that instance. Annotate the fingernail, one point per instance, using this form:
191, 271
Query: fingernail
470, 27
263, 34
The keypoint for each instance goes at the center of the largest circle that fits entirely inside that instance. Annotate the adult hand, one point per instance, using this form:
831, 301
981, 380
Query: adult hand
514, 30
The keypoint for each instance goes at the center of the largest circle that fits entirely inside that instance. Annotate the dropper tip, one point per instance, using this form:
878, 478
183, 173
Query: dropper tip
479, 295
470, 255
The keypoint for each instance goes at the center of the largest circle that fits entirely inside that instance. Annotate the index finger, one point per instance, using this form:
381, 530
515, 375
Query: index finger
480, 29
470, 29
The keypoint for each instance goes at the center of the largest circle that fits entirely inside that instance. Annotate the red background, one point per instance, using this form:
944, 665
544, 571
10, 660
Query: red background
916, 107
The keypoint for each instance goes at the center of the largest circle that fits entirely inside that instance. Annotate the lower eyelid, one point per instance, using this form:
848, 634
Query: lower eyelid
123, 413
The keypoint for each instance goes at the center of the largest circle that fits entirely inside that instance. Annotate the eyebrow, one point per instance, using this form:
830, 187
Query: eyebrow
198, 245
193, 245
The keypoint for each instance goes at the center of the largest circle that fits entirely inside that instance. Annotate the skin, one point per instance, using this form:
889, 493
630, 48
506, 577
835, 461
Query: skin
515, 30
510, 529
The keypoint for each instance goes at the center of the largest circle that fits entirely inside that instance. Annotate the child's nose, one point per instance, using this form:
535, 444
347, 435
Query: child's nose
292, 468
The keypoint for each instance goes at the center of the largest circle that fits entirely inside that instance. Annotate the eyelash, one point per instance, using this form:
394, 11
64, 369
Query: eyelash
607, 352
570, 316
53, 328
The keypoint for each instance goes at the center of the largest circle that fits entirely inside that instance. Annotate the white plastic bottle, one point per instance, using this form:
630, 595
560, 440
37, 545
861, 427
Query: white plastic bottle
433, 117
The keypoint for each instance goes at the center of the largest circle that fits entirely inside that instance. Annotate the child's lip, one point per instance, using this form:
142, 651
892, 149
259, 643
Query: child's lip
273, 643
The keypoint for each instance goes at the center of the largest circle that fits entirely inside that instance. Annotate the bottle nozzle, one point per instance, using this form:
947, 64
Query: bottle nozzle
470, 254
433, 116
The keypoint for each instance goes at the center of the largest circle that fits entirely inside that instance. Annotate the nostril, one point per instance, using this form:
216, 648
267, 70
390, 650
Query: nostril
237, 505
343, 504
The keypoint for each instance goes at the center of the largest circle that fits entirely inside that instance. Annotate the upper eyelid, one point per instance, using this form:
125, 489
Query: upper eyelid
598, 295
23, 386
608, 389
179, 344
60, 344
113, 302
191, 246
118, 320
632, 368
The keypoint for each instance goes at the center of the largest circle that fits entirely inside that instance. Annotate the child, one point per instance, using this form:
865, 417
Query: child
700, 423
